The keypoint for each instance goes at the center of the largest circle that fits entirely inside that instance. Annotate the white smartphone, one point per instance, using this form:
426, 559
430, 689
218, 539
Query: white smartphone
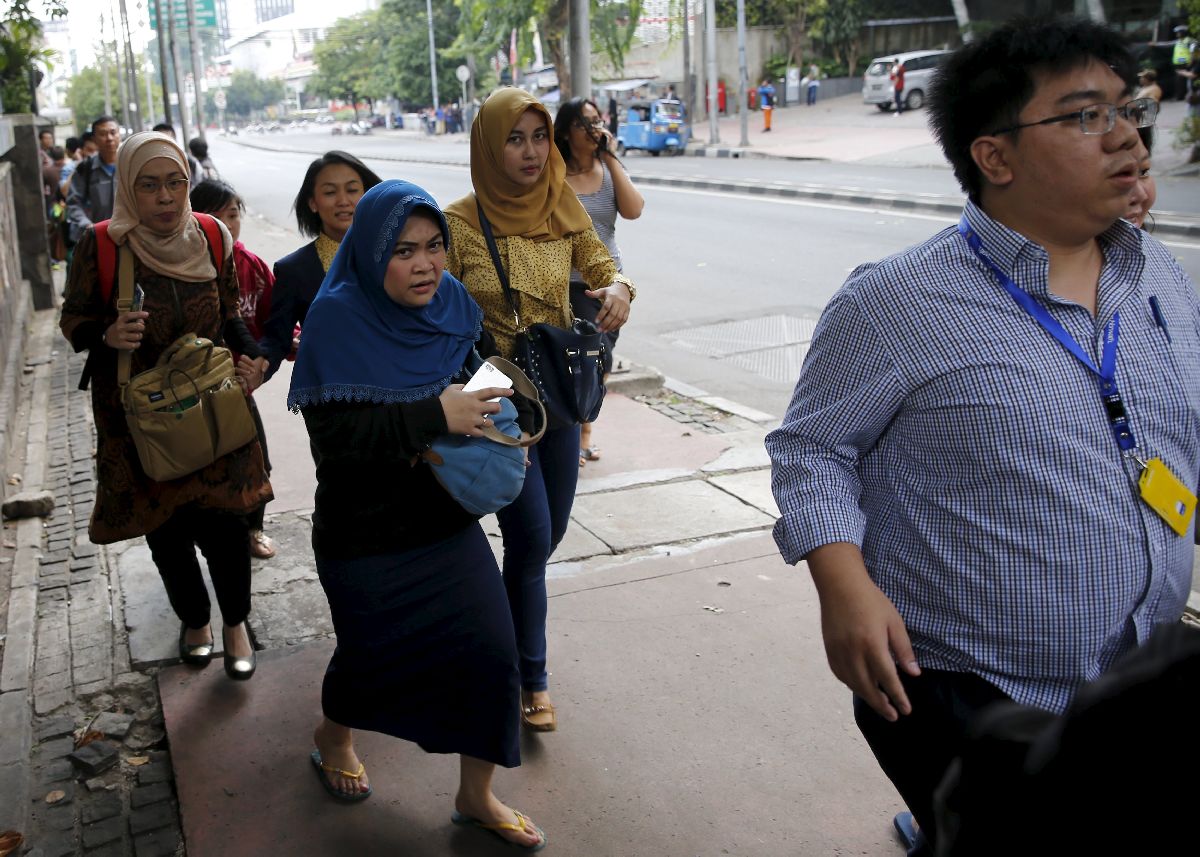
487, 376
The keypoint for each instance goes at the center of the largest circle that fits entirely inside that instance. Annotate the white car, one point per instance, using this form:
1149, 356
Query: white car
919, 68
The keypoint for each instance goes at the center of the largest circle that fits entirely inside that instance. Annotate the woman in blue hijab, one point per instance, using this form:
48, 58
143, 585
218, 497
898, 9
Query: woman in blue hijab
425, 646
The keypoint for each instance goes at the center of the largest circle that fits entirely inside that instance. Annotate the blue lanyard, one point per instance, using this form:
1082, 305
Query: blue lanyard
1114, 407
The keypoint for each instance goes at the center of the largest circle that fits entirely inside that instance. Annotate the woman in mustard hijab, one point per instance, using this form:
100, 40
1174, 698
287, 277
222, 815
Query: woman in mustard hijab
188, 287
541, 232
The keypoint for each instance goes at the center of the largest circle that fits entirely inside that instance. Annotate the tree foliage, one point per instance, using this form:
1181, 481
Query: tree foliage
249, 93
22, 58
837, 26
85, 95
613, 25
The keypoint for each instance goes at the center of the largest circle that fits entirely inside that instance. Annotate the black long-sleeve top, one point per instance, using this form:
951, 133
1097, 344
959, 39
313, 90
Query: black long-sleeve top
374, 494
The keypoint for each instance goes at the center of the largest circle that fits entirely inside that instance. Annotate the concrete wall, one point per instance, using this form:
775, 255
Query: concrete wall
15, 306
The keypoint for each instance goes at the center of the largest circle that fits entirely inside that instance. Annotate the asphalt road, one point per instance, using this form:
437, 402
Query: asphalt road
729, 284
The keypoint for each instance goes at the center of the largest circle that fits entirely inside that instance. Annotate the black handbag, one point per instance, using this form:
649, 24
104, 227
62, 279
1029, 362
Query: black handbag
566, 366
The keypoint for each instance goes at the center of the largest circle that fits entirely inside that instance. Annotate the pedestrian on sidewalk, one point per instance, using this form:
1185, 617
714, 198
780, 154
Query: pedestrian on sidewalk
766, 100
973, 508
425, 647
897, 76
184, 292
255, 282
199, 151
1148, 85
542, 232
90, 196
814, 85
599, 180
324, 207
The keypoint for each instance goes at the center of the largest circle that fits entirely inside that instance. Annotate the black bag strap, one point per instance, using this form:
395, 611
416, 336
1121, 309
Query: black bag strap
500, 272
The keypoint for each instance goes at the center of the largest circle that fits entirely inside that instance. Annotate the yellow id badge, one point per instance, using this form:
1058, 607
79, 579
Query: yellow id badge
1166, 495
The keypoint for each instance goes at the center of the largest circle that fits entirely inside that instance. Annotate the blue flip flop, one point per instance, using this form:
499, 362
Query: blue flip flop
321, 768
523, 823
910, 835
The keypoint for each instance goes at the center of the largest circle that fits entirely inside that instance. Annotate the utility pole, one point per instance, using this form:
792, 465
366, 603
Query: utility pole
710, 56
743, 105
964, 18
131, 71
194, 48
108, 111
160, 35
580, 35
180, 91
432, 55
122, 82
148, 119
688, 103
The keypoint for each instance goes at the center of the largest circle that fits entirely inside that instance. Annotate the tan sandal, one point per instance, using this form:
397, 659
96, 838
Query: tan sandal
539, 718
261, 545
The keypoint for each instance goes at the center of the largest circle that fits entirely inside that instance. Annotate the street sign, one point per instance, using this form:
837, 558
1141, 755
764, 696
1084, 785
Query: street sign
219, 99
462, 73
206, 13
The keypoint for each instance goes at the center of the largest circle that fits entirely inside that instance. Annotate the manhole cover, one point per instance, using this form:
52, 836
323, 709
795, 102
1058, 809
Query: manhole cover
772, 346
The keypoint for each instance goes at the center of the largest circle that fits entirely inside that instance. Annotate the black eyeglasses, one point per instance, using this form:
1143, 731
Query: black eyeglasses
1100, 118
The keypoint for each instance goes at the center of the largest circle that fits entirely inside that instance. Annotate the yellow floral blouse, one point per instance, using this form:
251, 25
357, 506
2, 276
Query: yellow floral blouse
538, 271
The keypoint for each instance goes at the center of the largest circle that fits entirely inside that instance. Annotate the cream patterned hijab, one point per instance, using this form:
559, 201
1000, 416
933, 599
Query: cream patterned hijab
182, 255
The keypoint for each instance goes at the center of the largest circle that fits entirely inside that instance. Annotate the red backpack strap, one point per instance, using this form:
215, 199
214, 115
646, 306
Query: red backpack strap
216, 243
106, 260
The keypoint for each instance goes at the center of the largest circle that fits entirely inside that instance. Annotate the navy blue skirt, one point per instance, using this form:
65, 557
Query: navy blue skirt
425, 648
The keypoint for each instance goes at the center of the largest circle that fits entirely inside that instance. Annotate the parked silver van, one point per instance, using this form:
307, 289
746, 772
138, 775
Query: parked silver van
919, 67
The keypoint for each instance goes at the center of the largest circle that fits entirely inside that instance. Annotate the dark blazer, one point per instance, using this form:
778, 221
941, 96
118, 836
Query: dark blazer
298, 276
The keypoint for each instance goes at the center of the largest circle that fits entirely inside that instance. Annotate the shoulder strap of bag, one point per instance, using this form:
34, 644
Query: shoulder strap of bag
525, 387
124, 304
216, 243
500, 272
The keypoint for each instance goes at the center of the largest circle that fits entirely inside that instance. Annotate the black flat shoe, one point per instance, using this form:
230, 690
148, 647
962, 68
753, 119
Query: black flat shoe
240, 669
196, 655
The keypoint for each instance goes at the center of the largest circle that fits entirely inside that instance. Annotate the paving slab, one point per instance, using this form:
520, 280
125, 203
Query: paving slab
661, 514
751, 486
682, 732
152, 625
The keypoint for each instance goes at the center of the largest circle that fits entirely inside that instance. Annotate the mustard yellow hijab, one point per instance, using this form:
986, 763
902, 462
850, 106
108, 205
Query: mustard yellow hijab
183, 255
545, 211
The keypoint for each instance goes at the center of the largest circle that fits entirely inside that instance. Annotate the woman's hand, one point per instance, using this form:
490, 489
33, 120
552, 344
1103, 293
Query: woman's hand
614, 309
606, 144
251, 372
470, 413
125, 334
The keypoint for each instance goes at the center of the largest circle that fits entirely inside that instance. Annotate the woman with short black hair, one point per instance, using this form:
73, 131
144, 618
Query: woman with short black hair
332, 187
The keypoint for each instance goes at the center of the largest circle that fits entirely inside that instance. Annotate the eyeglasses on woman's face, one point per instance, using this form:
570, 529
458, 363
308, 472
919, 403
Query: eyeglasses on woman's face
588, 124
149, 187
1101, 118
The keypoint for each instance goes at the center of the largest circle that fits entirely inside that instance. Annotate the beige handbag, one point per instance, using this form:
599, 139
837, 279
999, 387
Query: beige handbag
188, 410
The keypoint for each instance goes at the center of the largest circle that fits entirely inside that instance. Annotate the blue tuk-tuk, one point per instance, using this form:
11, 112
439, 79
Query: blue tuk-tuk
654, 126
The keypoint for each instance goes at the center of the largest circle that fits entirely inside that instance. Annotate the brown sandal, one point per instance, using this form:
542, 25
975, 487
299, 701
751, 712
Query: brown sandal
539, 718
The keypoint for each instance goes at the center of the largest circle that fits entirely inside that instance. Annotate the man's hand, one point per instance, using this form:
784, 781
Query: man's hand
470, 413
865, 638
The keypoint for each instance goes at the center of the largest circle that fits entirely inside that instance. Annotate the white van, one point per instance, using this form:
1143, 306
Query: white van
919, 67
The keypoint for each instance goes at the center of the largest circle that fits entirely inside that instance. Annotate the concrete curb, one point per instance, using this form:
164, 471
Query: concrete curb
1165, 223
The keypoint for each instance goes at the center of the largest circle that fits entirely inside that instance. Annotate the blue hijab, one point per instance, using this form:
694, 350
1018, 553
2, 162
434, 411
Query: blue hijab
358, 344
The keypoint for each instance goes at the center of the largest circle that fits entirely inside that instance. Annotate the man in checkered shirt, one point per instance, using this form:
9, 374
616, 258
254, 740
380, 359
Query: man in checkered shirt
960, 462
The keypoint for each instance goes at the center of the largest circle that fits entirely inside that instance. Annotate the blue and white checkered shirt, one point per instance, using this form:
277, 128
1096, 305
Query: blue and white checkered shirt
967, 452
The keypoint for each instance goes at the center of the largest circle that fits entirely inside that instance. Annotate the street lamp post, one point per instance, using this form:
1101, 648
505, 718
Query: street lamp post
432, 55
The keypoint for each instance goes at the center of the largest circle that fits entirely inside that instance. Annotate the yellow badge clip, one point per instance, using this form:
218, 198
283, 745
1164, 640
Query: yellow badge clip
1166, 495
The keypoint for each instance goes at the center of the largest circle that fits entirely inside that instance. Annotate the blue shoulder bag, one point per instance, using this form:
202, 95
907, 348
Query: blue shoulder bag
485, 474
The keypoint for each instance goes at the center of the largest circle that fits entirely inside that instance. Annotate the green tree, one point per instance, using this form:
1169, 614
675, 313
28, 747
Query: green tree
22, 58
85, 95
406, 65
349, 58
613, 25
249, 93
837, 25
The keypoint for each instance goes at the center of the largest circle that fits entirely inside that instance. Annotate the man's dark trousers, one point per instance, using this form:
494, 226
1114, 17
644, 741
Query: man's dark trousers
915, 751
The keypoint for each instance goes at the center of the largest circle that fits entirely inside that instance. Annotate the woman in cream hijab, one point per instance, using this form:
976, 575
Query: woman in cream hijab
188, 287
541, 231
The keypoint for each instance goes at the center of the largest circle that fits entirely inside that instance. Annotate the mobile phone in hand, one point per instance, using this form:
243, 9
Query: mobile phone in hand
139, 298
487, 376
